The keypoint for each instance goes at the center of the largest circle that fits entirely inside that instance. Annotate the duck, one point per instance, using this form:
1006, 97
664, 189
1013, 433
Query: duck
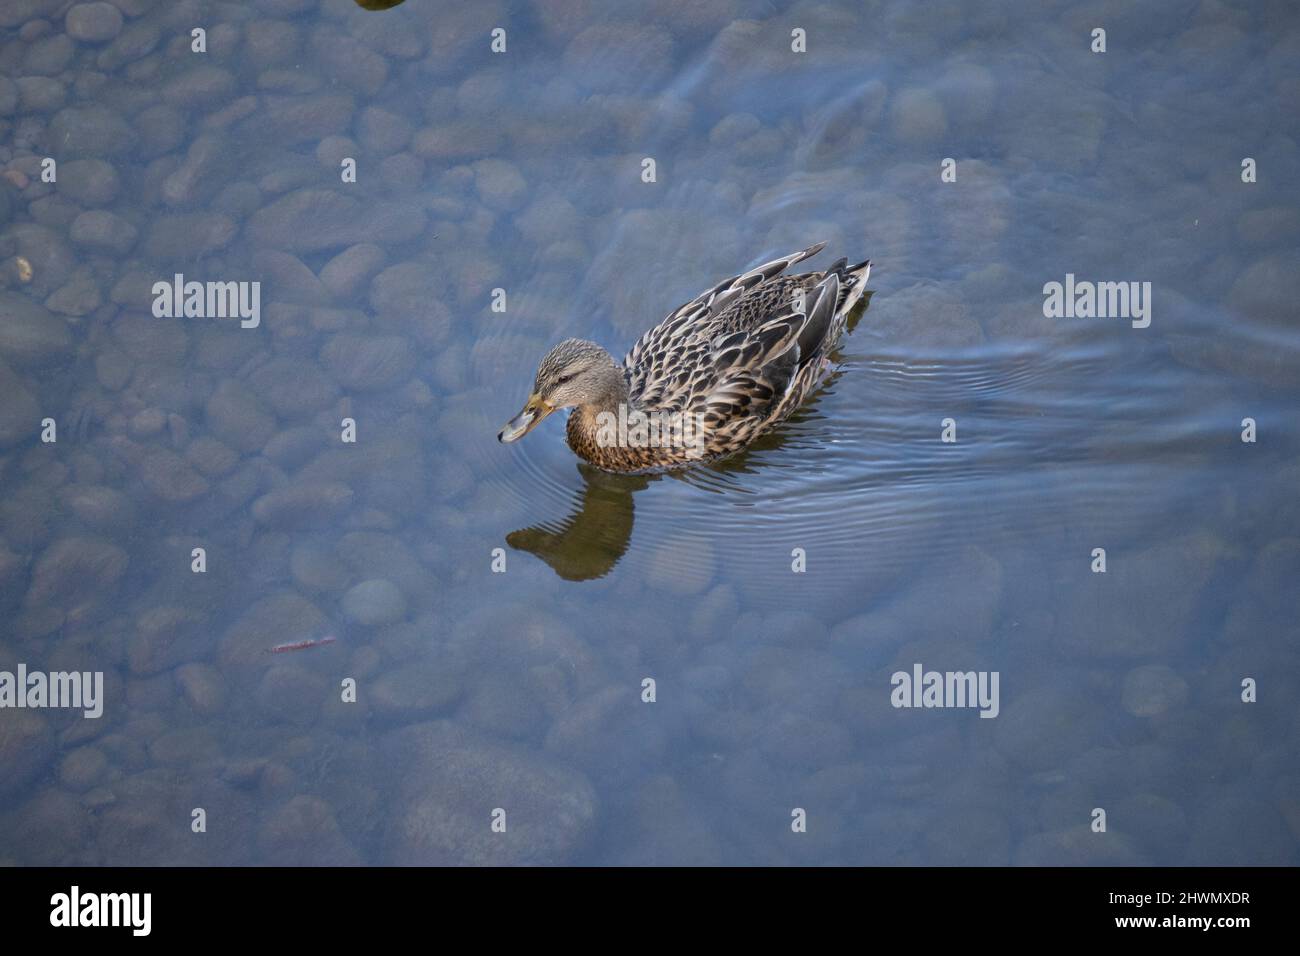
718, 372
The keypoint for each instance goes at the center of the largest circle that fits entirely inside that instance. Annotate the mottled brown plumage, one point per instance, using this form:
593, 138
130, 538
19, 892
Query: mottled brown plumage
735, 360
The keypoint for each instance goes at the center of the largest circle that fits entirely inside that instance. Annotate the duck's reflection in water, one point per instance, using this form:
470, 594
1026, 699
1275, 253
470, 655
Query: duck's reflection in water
589, 542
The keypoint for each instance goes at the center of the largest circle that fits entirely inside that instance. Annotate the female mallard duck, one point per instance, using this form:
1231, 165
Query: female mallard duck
707, 380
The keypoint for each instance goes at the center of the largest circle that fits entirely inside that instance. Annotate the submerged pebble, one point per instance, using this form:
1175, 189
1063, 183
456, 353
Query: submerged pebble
30, 334
305, 506
83, 768
93, 22
368, 361
310, 220
103, 231
1152, 690
305, 832
26, 747
19, 412
202, 687
550, 809
374, 603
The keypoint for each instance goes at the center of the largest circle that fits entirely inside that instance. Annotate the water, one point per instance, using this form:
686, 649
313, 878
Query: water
522, 691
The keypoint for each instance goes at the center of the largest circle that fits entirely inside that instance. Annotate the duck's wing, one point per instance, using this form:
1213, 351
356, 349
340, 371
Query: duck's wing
665, 360
758, 373
738, 381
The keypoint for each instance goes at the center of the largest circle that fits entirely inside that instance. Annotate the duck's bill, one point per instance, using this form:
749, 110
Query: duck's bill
525, 421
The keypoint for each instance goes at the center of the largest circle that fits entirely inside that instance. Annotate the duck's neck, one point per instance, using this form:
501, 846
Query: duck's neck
587, 421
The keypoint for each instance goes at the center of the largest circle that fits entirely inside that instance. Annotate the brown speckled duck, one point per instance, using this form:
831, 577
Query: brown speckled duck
707, 380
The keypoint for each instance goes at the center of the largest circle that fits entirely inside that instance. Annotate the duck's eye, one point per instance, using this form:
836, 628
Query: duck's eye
563, 378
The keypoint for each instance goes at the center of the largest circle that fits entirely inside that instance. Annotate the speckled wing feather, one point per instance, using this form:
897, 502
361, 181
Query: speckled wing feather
768, 373
667, 363
747, 352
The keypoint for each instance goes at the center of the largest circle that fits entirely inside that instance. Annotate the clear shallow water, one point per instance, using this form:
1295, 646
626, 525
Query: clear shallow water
522, 690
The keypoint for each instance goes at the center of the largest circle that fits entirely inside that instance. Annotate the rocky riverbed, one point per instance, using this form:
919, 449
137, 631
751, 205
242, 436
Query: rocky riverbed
180, 495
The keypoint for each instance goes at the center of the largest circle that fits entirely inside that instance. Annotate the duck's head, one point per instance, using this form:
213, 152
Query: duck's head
574, 373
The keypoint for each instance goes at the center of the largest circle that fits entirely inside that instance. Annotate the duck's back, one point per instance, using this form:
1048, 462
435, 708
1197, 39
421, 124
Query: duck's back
747, 351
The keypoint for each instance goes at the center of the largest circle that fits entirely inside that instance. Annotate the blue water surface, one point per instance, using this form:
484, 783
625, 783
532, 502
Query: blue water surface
536, 662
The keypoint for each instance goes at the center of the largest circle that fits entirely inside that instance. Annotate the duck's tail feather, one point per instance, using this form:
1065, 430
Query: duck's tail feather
856, 276
820, 315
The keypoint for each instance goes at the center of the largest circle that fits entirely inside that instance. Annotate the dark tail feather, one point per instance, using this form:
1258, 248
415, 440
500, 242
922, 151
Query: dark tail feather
819, 316
855, 303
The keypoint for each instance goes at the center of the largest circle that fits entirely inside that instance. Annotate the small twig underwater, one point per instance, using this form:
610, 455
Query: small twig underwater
301, 645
